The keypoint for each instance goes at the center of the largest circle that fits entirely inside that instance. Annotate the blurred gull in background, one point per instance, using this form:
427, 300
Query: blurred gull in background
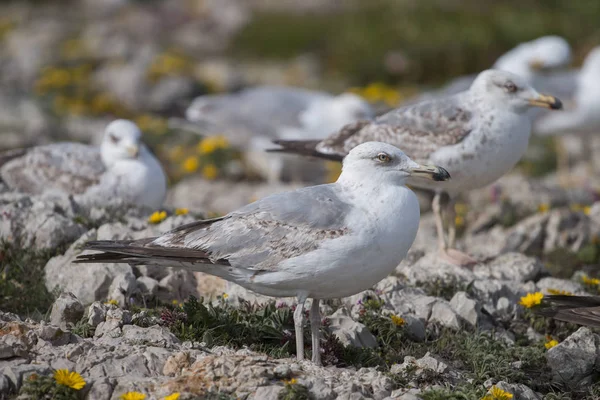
123, 169
254, 117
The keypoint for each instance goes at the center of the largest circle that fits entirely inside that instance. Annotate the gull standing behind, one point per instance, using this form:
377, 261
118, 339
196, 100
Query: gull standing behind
123, 169
254, 117
582, 110
318, 242
477, 135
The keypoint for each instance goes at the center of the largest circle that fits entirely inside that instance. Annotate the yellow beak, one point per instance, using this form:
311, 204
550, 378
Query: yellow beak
546, 101
536, 65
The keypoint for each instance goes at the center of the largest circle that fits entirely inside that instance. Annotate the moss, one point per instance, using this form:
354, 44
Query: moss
22, 270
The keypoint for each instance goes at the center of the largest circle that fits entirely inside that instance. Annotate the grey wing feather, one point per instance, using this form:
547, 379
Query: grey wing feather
266, 232
418, 130
66, 167
261, 110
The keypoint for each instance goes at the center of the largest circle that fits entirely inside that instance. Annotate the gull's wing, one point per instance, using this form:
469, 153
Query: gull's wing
261, 110
582, 310
66, 167
418, 130
258, 236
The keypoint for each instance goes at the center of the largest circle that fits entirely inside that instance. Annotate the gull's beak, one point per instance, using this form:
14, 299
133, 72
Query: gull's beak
133, 150
536, 64
431, 172
546, 101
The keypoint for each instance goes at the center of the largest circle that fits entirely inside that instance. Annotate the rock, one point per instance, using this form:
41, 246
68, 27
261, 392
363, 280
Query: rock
267, 393
511, 266
178, 285
147, 286
518, 390
575, 360
38, 222
567, 230
560, 284
122, 288
431, 268
176, 363
96, 313
88, 282
350, 332
527, 236
444, 314
157, 336
16, 374
66, 311
169, 90
115, 319
468, 309
414, 328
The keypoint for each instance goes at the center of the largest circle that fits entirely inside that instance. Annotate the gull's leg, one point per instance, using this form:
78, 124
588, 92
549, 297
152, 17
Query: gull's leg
298, 325
315, 324
451, 218
448, 253
439, 223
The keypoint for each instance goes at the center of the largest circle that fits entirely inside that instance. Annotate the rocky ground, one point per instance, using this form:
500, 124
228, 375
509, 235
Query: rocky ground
431, 330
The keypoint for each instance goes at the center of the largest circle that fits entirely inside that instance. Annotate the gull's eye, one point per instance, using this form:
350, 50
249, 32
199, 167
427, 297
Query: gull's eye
113, 138
510, 87
383, 158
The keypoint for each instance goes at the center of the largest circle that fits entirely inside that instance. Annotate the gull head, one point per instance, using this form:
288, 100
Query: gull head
121, 141
383, 163
548, 52
544, 53
505, 90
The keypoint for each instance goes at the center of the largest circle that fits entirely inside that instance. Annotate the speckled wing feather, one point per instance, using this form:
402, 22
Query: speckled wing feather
418, 130
258, 236
582, 310
65, 167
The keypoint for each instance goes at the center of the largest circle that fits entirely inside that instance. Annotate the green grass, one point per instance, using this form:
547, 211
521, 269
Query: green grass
22, 288
440, 39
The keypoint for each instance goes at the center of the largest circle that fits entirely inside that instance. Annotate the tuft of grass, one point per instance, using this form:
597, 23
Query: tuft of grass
294, 391
22, 270
445, 288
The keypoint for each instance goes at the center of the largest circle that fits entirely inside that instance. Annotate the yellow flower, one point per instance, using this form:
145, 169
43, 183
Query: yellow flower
112, 302
391, 97
176, 152
398, 321
587, 210
174, 396
132, 396
590, 281
334, 169
292, 381
212, 143
191, 164
459, 221
560, 292
157, 216
70, 379
551, 343
543, 207
532, 299
576, 207
181, 211
210, 172
225, 296
495, 393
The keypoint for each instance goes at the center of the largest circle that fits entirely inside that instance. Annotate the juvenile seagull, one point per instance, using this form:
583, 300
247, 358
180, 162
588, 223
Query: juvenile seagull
123, 168
478, 135
254, 117
318, 242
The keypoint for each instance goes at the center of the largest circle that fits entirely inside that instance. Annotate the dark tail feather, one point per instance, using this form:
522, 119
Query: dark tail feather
304, 148
581, 310
139, 252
